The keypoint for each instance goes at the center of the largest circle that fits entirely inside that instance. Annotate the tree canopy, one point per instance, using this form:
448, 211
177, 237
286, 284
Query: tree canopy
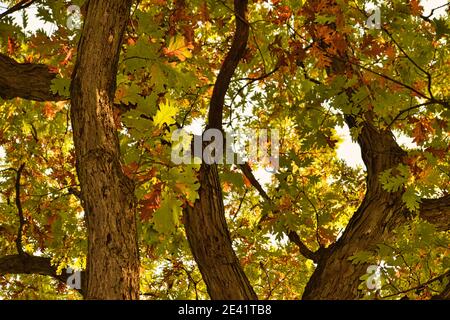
88, 108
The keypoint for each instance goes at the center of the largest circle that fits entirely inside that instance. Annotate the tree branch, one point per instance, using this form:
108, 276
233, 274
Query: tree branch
409, 109
379, 149
229, 65
437, 212
427, 18
205, 222
32, 81
19, 6
304, 250
248, 173
25, 80
422, 286
26, 264
19, 210
292, 235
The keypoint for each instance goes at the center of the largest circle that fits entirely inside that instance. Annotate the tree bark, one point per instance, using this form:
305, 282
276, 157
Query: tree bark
107, 193
437, 212
210, 241
26, 264
25, 80
205, 223
380, 212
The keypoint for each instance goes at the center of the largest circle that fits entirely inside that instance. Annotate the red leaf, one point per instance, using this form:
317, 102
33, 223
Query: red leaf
11, 46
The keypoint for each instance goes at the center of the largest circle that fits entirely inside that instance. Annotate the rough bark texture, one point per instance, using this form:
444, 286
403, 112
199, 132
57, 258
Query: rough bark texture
437, 212
25, 80
109, 202
379, 213
205, 223
335, 276
107, 194
210, 241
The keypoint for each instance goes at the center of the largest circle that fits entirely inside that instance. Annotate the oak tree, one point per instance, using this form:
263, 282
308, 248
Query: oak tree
88, 181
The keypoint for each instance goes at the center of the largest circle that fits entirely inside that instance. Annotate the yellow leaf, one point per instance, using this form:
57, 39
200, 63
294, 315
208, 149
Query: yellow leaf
179, 48
166, 113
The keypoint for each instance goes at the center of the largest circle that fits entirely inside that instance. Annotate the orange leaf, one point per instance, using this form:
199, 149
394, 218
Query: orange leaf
416, 8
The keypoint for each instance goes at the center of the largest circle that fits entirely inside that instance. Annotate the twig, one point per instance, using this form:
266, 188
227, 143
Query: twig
21, 5
317, 217
412, 61
304, 250
240, 205
293, 236
422, 286
427, 18
409, 109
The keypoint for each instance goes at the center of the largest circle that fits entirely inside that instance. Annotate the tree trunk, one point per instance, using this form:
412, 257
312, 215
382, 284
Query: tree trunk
210, 241
205, 223
107, 194
380, 212
378, 215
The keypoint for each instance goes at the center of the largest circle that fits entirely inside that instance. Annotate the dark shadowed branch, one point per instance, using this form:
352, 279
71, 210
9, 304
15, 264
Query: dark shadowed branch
19, 6
293, 236
19, 210
26, 264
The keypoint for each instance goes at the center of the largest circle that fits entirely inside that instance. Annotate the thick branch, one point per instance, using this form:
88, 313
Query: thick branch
248, 173
25, 80
437, 212
32, 81
229, 65
26, 264
19, 210
205, 223
107, 193
304, 250
379, 149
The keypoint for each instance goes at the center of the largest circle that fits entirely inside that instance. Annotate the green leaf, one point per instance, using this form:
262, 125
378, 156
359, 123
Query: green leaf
411, 199
140, 55
393, 183
361, 257
165, 218
323, 19
185, 181
442, 28
147, 24
61, 86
